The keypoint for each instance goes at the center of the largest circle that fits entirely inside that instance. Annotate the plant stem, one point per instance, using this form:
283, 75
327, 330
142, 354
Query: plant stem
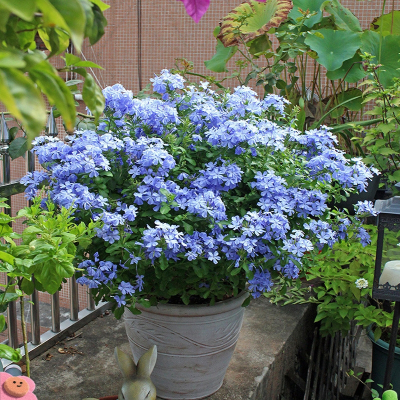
381, 33
25, 337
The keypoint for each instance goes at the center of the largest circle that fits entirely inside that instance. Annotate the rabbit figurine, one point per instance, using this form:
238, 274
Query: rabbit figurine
137, 384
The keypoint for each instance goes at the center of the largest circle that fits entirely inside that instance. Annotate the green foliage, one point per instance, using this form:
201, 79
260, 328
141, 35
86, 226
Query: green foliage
333, 287
221, 57
303, 36
47, 249
26, 73
382, 141
324, 43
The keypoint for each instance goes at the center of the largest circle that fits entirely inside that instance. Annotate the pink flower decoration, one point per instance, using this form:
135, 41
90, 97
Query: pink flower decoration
5, 396
196, 8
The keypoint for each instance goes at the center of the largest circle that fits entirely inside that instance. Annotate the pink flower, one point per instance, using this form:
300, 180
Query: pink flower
4, 395
196, 8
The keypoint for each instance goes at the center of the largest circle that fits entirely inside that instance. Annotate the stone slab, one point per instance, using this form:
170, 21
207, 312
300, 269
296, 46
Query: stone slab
269, 340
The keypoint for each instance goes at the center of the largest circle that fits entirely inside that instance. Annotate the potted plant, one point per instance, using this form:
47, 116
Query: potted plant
203, 196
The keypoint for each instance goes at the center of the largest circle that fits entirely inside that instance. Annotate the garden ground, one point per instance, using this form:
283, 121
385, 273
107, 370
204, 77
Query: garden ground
84, 366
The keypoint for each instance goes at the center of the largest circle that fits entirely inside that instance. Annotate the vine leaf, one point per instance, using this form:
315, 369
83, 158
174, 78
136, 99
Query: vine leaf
252, 19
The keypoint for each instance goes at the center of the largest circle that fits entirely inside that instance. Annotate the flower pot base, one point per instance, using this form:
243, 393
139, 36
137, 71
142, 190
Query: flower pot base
194, 345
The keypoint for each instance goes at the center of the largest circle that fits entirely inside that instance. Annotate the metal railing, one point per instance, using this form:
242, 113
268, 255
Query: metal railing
59, 330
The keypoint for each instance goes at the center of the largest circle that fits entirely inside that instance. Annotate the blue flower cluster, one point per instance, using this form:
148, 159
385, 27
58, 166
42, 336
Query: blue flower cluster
199, 193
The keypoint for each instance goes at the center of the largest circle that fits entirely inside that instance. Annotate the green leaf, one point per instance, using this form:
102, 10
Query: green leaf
259, 46
5, 219
27, 286
11, 59
344, 18
58, 93
68, 15
4, 16
3, 325
236, 271
188, 228
165, 209
314, 6
252, 19
330, 55
8, 297
246, 302
7, 257
73, 60
388, 24
18, 147
388, 57
100, 4
351, 99
22, 8
55, 40
93, 97
343, 312
222, 55
163, 262
23, 100
96, 30
377, 333
351, 70
9, 353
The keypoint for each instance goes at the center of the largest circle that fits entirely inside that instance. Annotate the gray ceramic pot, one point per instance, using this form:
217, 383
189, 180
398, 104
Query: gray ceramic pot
194, 344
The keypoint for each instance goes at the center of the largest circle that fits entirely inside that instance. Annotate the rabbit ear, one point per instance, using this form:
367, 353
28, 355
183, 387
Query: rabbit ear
147, 362
125, 363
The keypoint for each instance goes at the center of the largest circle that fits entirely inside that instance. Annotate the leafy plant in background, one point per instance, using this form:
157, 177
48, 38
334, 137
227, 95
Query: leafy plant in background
341, 279
26, 73
308, 45
46, 251
382, 141
200, 193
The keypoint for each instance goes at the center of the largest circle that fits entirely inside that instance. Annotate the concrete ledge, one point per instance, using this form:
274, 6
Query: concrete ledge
269, 341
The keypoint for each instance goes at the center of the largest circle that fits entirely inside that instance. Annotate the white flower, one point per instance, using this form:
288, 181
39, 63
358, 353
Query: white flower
361, 283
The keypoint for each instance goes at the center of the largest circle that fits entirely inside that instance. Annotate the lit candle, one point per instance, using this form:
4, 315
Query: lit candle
391, 273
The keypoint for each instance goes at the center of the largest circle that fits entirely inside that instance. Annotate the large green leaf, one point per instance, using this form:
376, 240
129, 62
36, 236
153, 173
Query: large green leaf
388, 24
325, 43
23, 8
55, 40
4, 15
57, 93
221, 57
9, 353
313, 6
344, 18
68, 15
95, 23
19, 94
18, 147
351, 70
93, 97
388, 57
251, 19
10, 58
